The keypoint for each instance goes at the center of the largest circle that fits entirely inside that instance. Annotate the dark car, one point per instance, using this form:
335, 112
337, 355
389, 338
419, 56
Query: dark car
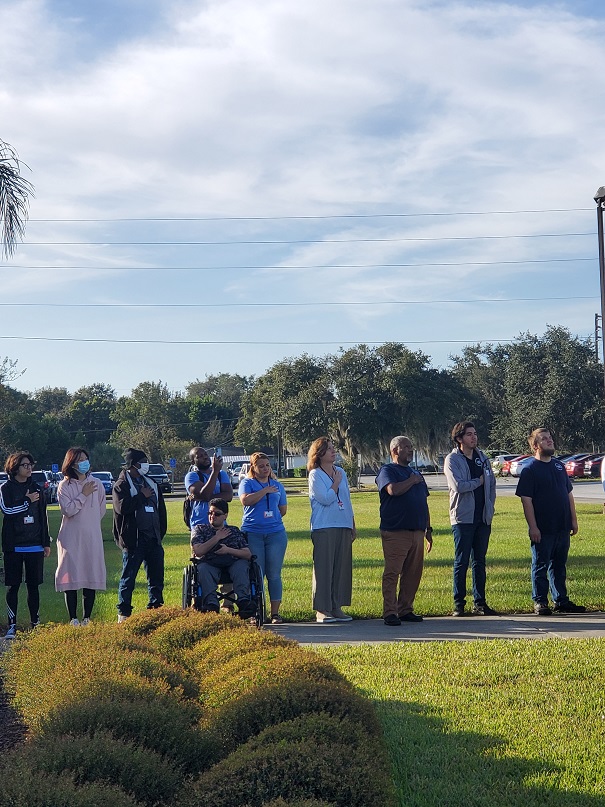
593, 467
46, 481
575, 464
106, 479
158, 473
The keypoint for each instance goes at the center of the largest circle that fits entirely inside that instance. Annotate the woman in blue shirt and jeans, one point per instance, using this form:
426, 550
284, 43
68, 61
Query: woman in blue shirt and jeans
264, 502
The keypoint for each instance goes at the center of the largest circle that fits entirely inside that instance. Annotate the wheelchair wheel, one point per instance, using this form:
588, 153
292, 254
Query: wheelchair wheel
188, 573
257, 593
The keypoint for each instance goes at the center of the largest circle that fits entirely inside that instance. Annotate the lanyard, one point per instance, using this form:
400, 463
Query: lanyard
266, 495
332, 478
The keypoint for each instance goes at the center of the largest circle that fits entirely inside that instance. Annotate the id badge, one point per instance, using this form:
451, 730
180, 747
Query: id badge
341, 506
28, 519
149, 508
268, 513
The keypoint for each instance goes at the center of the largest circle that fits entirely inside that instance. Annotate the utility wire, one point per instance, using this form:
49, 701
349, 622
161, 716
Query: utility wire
296, 305
326, 217
247, 341
276, 242
302, 266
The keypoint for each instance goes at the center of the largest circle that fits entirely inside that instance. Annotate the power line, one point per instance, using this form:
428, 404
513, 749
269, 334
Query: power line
325, 217
301, 266
247, 341
297, 305
297, 241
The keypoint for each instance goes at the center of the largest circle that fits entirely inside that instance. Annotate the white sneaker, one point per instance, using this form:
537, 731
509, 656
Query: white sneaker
122, 618
11, 633
74, 623
85, 621
340, 616
320, 616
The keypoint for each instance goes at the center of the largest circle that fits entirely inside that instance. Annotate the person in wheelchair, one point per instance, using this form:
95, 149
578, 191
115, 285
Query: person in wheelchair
219, 546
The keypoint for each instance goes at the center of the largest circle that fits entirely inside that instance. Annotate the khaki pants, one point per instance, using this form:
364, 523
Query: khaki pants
403, 558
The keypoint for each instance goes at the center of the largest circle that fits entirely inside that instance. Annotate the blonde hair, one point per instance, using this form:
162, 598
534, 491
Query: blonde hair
316, 451
532, 439
254, 459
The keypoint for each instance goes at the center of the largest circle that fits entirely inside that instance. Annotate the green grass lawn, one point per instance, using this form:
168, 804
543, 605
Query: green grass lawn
508, 576
490, 724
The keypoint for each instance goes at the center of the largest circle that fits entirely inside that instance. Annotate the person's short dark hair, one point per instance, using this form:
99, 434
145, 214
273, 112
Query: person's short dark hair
459, 430
11, 466
133, 456
219, 504
67, 468
534, 435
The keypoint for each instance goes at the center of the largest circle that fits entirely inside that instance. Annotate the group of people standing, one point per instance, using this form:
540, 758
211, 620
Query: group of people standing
548, 505
140, 523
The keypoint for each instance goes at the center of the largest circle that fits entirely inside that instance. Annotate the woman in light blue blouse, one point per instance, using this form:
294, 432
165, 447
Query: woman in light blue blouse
264, 501
332, 533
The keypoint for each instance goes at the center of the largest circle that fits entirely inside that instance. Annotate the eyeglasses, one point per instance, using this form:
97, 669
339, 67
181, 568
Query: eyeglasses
216, 513
26, 465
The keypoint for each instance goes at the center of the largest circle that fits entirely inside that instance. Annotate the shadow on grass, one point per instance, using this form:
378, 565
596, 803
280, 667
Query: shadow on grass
435, 767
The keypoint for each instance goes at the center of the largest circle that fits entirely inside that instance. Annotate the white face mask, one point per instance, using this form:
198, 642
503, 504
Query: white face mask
144, 469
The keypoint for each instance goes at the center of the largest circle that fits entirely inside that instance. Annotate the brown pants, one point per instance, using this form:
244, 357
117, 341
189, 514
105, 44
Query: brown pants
403, 558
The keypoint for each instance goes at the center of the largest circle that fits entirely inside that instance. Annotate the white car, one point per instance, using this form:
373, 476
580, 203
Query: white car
243, 473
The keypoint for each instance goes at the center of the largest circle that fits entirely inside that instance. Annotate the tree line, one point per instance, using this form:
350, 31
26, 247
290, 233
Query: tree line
361, 397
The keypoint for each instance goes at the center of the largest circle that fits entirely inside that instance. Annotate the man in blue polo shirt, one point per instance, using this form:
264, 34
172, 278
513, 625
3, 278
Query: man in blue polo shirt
404, 526
548, 504
205, 480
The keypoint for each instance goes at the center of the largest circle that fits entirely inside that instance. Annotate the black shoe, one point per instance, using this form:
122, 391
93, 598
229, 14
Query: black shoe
211, 609
542, 609
458, 610
392, 620
411, 617
568, 608
483, 610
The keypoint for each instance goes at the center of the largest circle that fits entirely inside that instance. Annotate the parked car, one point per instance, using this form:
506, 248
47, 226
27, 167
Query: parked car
575, 464
106, 479
593, 467
159, 475
518, 465
505, 471
3, 477
233, 472
47, 482
243, 471
499, 460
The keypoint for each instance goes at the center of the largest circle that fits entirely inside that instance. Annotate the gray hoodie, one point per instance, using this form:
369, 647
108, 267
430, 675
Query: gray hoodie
462, 498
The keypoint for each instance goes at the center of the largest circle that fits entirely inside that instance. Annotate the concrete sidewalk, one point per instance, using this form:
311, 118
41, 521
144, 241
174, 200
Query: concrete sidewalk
446, 628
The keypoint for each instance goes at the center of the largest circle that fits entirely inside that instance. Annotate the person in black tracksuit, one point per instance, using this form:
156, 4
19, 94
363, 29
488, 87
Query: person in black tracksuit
139, 525
25, 536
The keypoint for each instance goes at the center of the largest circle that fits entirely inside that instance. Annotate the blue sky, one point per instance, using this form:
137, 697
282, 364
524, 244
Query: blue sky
303, 175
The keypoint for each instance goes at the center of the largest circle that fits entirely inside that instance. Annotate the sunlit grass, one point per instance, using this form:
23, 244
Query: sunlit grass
498, 723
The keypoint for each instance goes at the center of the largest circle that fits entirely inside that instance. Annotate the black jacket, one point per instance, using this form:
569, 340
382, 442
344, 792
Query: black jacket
16, 507
125, 506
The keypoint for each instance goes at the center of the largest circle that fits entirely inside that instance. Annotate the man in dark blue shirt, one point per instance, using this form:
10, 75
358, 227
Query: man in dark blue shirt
404, 525
550, 512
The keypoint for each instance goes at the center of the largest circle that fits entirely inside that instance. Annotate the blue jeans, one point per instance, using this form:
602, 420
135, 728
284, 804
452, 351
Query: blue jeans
548, 559
470, 544
151, 555
270, 549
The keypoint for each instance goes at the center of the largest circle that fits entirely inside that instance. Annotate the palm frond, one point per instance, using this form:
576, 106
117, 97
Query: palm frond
15, 192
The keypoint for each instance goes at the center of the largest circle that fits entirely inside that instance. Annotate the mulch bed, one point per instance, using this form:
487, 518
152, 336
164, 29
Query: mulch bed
12, 729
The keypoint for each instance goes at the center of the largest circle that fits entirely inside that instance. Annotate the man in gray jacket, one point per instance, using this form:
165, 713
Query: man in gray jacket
472, 487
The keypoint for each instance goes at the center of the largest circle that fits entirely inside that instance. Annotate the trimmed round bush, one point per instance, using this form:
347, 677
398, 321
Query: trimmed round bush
148, 621
269, 666
23, 786
190, 627
214, 652
265, 706
161, 724
143, 773
344, 774
304, 803
68, 665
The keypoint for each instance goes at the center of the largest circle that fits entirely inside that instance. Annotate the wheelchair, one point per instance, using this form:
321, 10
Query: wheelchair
192, 592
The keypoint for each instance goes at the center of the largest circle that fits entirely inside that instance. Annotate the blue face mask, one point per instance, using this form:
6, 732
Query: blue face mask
83, 467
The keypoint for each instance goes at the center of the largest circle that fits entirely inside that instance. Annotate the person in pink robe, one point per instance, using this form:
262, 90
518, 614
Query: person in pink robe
80, 554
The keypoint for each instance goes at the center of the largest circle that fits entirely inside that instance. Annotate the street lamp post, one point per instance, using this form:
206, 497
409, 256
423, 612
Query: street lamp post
600, 200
